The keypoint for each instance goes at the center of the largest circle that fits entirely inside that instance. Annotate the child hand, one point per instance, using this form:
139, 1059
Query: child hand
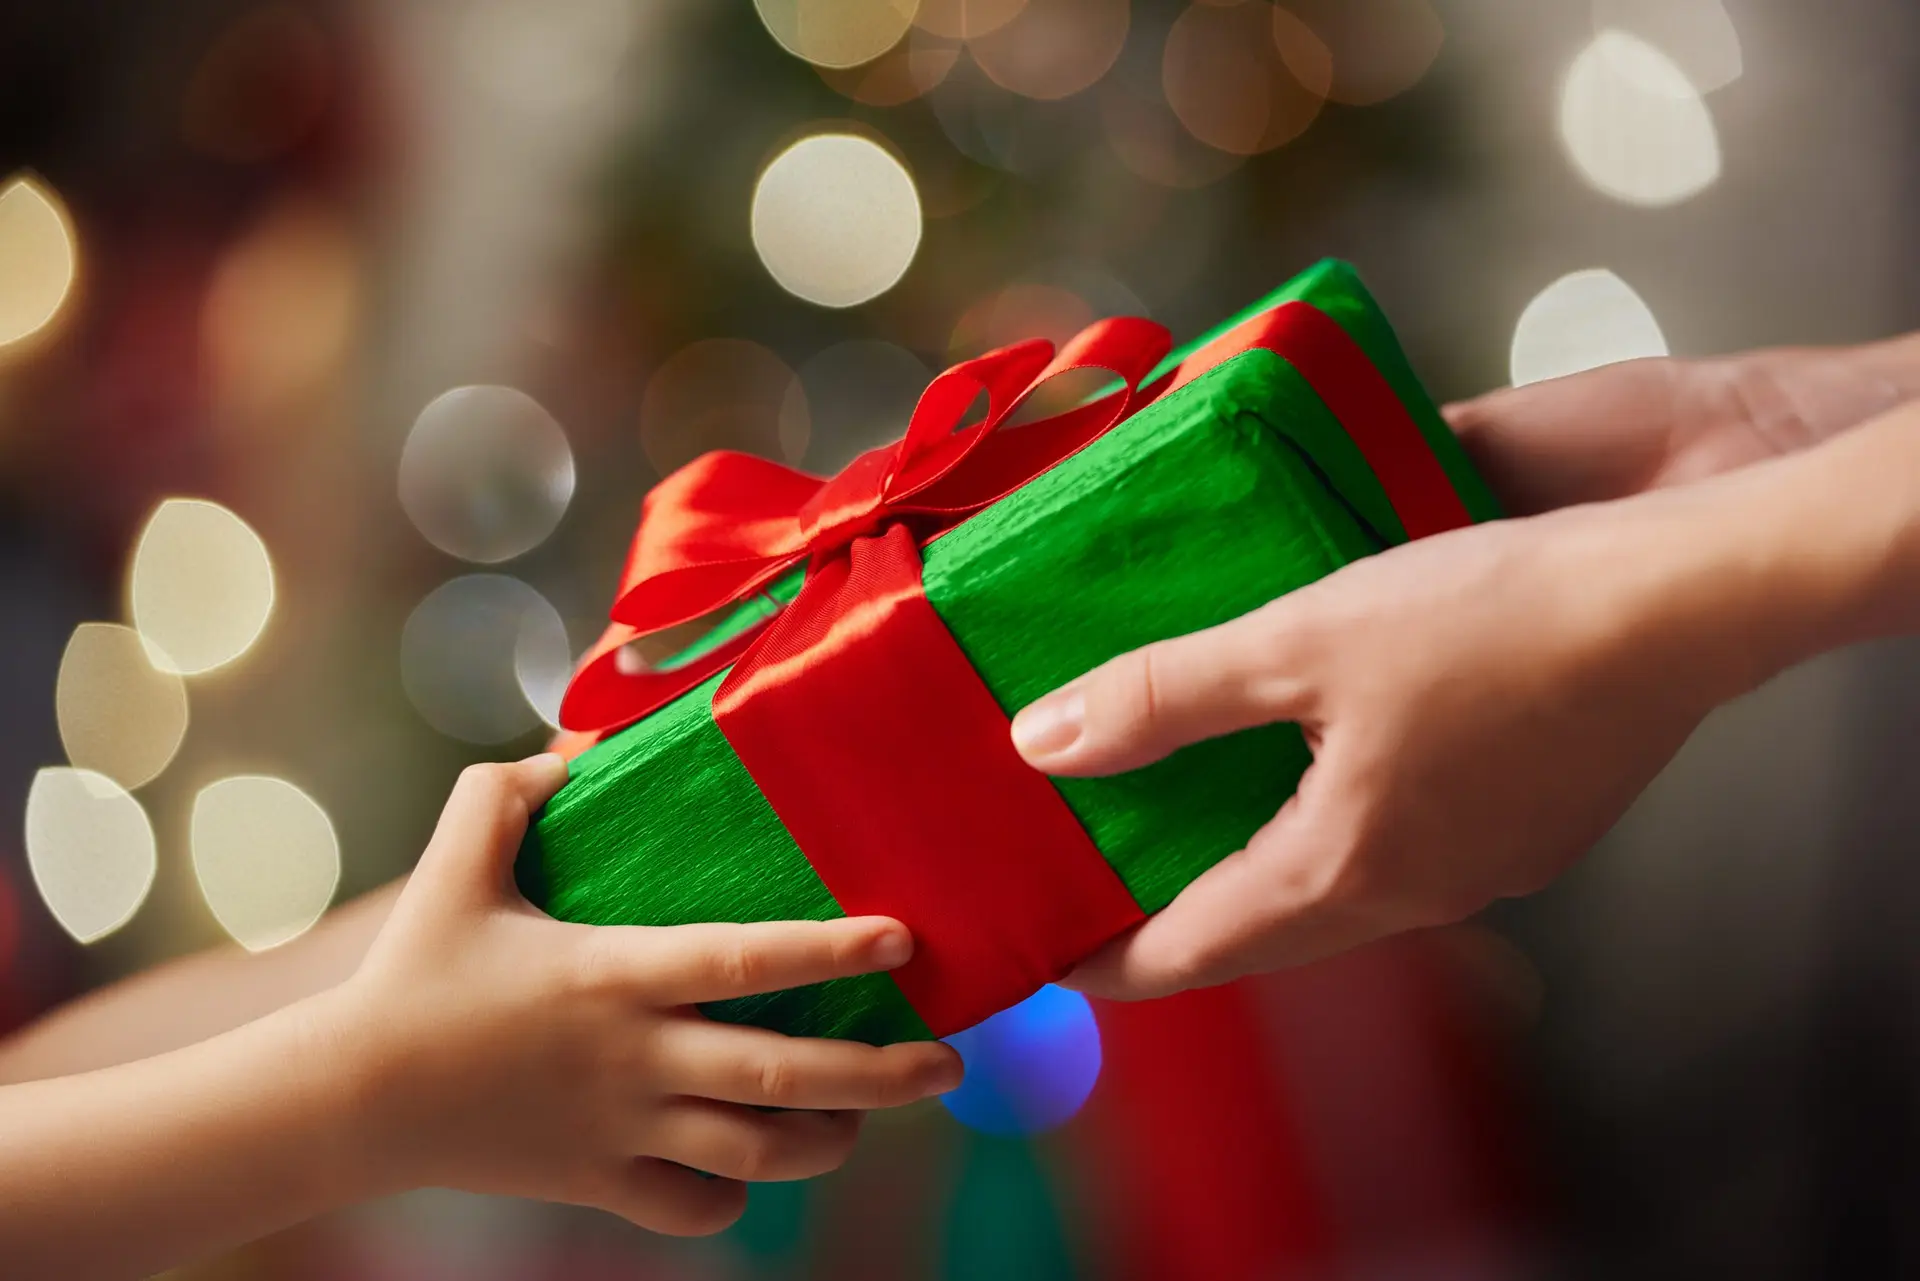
497, 1050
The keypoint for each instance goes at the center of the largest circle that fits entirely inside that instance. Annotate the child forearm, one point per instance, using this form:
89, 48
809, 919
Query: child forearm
128, 1170
194, 998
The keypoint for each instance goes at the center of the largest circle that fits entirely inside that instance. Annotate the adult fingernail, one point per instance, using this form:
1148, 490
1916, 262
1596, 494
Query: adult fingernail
892, 948
1050, 726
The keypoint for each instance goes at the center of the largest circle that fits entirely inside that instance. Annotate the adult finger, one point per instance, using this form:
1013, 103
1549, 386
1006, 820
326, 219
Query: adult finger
764, 1069
1143, 705
484, 819
1591, 436
1279, 902
754, 1147
670, 1199
691, 964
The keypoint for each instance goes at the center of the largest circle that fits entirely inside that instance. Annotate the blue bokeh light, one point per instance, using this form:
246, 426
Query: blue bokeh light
1029, 1068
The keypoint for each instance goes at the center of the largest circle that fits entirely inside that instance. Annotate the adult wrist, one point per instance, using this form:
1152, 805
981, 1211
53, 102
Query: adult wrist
1770, 566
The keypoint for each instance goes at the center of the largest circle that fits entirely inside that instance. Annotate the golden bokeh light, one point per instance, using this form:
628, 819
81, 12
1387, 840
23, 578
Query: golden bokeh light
1697, 34
38, 258
836, 219
1017, 313
1244, 78
486, 473
837, 33
1379, 48
282, 311
1634, 126
262, 86
966, 19
1583, 321
1053, 48
723, 393
90, 849
1151, 142
266, 857
119, 715
200, 589
915, 66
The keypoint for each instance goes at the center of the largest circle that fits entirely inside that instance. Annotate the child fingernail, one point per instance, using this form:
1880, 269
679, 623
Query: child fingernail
547, 762
892, 948
944, 1078
1050, 726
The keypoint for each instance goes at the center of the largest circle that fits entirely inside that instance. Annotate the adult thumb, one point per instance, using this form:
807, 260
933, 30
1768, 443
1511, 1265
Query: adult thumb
1143, 705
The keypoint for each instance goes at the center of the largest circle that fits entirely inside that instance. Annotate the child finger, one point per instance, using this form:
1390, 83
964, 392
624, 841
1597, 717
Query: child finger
764, 1069
691, 964
753, 1147
663, 1197
486, 815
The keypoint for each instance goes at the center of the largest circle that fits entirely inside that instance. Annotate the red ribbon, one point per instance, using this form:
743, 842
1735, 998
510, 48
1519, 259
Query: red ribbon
853, 708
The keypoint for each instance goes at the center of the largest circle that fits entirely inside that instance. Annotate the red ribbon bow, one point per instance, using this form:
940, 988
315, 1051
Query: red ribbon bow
727, 525
862, 722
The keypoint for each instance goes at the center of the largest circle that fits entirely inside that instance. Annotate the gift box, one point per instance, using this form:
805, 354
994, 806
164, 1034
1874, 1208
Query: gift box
838, 744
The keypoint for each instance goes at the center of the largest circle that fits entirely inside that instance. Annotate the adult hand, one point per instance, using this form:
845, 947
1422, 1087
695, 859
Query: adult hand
1647, 424
1482, 706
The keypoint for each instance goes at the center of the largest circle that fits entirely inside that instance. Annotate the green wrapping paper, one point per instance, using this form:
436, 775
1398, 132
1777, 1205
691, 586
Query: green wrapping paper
1229, 492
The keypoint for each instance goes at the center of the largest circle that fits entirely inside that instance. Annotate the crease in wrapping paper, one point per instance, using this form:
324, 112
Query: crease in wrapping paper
1232, 490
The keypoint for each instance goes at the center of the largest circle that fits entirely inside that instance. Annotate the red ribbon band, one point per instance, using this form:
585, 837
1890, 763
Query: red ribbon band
855, 711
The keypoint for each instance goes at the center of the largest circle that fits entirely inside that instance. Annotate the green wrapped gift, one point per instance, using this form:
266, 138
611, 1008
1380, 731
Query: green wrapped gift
1292, 440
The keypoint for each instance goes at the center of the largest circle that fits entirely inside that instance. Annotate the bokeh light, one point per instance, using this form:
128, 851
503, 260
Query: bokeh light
119, 715
1030, 1068
37, 258
462, 655
543, 662
965, 19
914, 66
282, 310
1244, 78
836, 219
266, 857
1697, 34
837, 33
261, 87
1020, 311
1053, 48
1582, 321
486, 473
1635, 126
200, 590
860, 394
996, 129
1379, 48
723, 393
1151, 142
90, 849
